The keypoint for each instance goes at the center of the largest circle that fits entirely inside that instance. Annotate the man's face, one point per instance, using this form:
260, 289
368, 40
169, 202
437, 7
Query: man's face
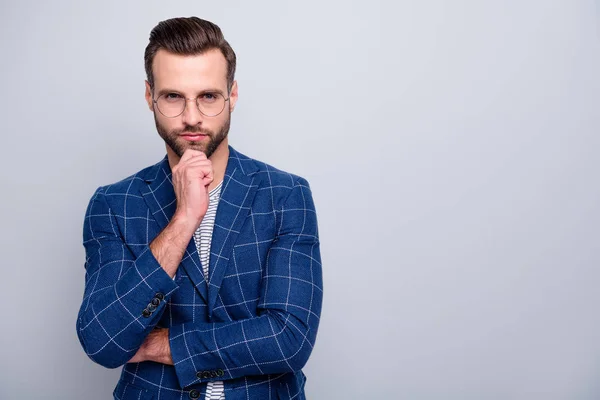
189, 76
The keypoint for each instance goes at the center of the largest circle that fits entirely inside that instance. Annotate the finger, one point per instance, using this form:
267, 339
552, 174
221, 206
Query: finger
192, 164
203, 165
203, 176
201, 170
190, 154
206, 174
187, 154
198, 161
198, 154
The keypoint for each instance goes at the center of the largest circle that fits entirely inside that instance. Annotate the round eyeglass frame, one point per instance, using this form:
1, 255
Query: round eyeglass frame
155, 101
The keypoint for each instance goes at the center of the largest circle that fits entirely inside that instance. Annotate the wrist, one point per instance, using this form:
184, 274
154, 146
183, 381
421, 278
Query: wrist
183, 223
165, 348
157, 347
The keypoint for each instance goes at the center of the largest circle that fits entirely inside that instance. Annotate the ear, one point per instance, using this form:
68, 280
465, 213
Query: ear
148, 96
233, 96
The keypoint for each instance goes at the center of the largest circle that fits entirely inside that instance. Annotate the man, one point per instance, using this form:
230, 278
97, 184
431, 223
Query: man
203, 272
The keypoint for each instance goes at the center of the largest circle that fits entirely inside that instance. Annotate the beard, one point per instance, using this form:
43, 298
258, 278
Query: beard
207, 145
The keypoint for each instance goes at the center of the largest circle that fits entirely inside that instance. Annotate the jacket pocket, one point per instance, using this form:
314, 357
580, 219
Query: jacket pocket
127, 391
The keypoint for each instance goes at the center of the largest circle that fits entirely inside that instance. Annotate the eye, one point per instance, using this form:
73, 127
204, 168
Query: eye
209, 97
172, 96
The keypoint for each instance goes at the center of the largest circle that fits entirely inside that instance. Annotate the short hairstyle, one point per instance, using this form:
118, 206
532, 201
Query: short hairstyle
188, 36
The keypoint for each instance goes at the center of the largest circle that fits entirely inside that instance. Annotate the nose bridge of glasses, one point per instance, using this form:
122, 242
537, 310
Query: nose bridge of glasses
196, 113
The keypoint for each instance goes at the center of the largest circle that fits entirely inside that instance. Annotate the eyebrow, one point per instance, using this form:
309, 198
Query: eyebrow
210, 90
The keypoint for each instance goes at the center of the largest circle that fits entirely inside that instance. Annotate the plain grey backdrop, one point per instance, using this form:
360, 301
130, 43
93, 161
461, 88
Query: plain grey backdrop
453, 152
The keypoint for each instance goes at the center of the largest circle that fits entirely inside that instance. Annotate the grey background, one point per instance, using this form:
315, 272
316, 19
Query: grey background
451, 146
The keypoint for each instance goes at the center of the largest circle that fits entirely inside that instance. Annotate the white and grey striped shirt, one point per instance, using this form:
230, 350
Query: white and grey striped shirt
203, 235
203, 238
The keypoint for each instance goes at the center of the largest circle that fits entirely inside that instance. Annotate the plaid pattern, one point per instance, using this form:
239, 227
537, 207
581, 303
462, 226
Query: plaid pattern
253, 327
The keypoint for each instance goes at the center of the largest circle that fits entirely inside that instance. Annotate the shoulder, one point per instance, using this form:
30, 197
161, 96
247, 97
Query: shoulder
270, 175
131, 183
278, 188
128, 187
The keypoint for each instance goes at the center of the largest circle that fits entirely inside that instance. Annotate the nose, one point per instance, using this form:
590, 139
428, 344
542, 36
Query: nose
191, 115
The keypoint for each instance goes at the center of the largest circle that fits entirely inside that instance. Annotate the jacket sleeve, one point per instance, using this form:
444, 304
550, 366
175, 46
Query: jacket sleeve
281, 337
124, 296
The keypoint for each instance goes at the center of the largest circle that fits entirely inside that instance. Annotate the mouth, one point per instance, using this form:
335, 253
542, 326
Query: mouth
193, 137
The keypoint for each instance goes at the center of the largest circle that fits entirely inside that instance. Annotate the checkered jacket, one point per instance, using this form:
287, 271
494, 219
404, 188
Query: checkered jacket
252, 326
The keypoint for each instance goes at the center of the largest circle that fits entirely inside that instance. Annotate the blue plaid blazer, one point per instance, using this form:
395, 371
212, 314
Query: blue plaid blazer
252, 325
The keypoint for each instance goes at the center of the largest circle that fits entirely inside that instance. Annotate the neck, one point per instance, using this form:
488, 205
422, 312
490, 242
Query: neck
219, 162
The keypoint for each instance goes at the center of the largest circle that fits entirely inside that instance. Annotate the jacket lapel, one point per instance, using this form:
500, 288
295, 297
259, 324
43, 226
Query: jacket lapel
237, 194
160, 198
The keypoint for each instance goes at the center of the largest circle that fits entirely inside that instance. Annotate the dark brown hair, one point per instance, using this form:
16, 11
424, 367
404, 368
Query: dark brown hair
188, 36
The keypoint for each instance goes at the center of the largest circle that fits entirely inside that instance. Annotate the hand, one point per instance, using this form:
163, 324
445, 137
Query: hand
191, 178
155, 348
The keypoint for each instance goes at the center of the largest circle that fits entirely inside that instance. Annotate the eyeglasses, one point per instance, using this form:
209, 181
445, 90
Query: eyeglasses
172, 105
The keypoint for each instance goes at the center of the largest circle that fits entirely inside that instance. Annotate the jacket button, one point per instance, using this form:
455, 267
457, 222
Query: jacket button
155, 301
159, 296
194, 394
213, 374
205, 375
146, 313
220, 372
199, 374
151, 307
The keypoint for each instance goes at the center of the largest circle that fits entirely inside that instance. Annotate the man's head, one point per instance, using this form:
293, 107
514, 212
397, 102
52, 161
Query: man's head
188, 58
